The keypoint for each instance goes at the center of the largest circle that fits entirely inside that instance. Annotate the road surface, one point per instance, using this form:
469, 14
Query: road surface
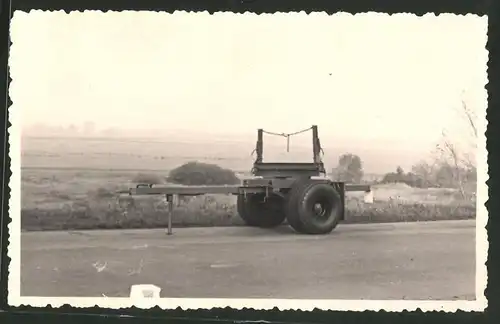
433, 260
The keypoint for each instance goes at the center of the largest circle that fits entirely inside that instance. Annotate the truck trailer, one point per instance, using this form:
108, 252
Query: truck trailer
300, 193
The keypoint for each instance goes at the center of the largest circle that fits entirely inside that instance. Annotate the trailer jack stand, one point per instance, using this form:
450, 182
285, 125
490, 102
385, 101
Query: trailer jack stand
170, 206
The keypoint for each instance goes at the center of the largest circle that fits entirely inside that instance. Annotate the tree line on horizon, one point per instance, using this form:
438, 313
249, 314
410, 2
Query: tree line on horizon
450, 167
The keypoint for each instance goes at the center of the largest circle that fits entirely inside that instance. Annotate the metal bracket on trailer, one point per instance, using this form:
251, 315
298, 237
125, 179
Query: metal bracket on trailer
368, 199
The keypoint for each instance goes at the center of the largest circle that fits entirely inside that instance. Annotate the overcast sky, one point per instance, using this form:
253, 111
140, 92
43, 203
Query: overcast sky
371, 80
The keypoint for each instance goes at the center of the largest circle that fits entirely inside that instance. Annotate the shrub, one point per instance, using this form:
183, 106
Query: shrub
148, 178
101, 193
197, 173
410, 178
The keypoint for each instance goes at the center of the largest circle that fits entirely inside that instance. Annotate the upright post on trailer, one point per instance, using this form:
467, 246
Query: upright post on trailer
316, 149
260, 147
170, 206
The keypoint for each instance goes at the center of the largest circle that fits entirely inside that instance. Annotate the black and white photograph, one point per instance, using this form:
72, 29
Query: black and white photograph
286, 160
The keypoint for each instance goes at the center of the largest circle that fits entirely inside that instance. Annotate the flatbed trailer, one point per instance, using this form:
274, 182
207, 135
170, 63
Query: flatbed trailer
301, 193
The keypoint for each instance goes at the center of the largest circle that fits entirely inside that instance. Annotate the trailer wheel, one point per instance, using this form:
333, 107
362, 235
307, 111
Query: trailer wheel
292, 204
255, 211
314, 208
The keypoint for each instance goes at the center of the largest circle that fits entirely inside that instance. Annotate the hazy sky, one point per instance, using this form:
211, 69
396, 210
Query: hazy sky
363, 78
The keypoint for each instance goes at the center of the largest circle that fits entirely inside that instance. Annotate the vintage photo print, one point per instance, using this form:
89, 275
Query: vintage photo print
286, 160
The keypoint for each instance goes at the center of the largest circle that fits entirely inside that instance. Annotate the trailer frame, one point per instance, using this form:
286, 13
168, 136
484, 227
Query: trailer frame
269, 180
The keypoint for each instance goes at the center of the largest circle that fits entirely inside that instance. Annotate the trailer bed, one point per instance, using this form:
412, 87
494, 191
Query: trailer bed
188, 190
254, 186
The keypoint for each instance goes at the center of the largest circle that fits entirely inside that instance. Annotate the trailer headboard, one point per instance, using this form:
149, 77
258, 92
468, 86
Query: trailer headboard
316, 144
288, 169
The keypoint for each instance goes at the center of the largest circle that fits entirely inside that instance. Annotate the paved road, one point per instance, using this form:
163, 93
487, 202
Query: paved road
374, 261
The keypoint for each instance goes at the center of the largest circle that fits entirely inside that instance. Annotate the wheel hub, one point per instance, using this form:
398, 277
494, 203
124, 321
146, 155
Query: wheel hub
319, 209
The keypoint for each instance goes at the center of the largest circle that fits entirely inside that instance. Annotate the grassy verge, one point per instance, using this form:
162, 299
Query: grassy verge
85, 200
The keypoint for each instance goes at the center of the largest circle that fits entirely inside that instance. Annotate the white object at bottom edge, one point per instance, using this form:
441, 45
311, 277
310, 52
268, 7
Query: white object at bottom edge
144, 291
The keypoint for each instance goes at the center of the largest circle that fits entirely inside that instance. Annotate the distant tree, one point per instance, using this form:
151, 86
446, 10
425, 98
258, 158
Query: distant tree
425, 172
392, 177
349, 169
446, 175
412, 179
457, 167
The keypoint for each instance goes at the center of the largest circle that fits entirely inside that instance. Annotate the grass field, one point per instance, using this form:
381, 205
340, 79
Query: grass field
73, 199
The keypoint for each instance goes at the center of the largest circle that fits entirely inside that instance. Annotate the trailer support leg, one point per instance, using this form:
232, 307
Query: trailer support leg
170, 205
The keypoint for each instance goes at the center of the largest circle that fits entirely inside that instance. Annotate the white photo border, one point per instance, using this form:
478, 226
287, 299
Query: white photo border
14, 229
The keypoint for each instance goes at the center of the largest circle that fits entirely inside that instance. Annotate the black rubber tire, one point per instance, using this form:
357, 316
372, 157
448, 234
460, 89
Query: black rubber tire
259, 213
300, 207
292, 205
